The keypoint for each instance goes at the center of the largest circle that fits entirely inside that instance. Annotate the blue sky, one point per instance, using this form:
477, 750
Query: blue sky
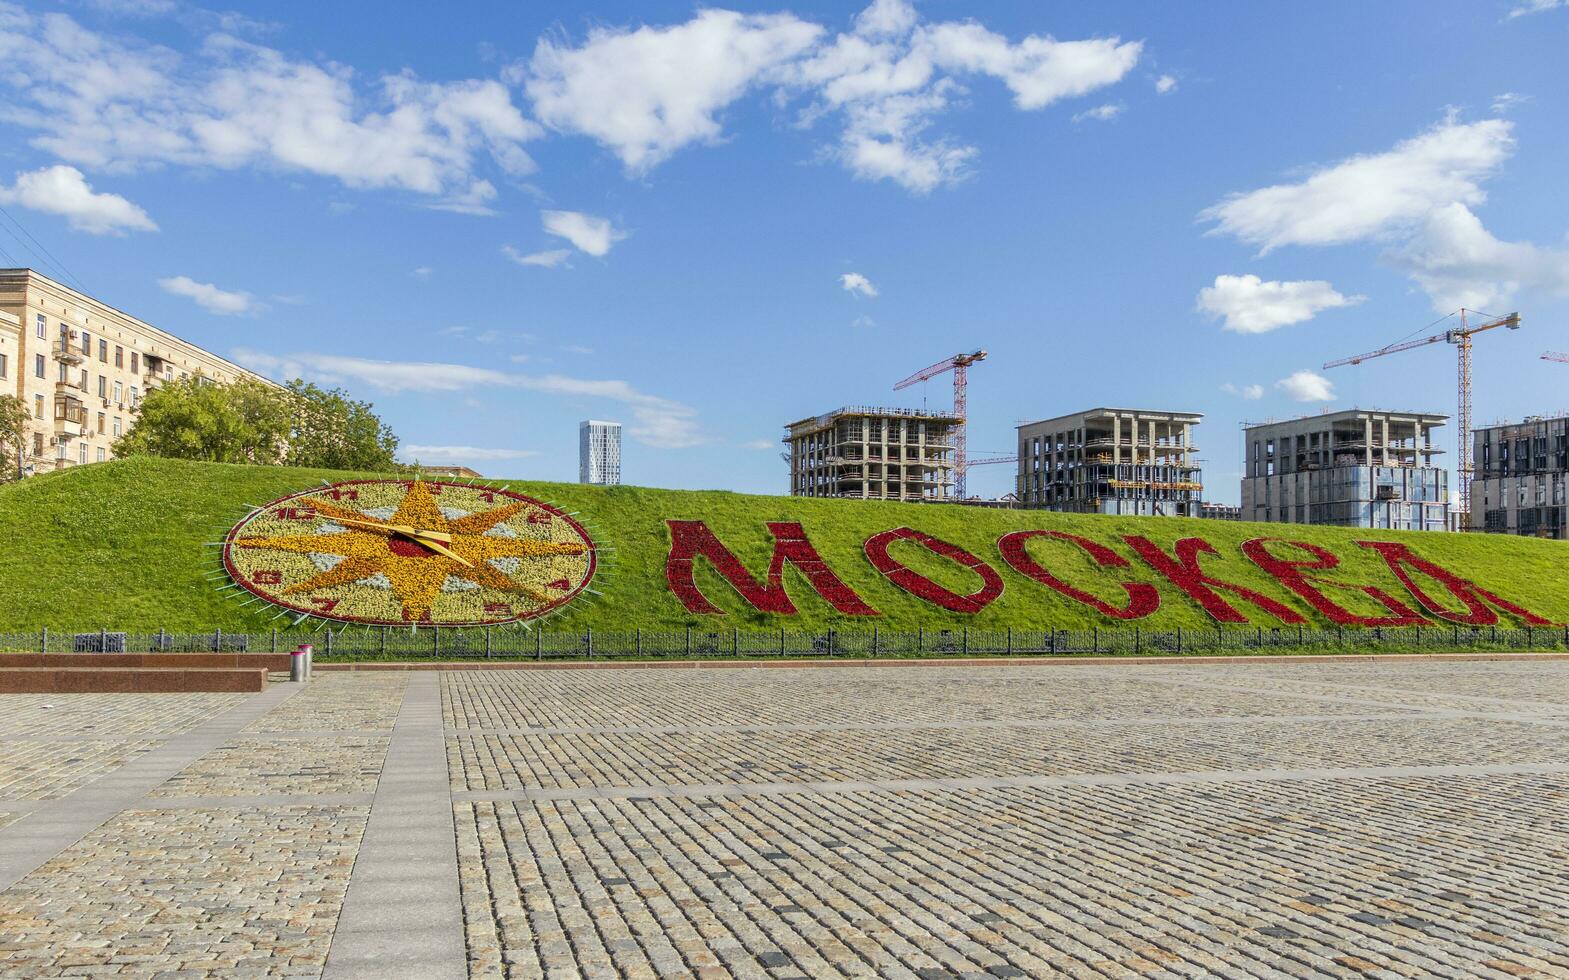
708, 222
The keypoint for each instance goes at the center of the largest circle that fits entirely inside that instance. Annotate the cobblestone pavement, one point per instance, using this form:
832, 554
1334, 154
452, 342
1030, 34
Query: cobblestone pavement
1280, 820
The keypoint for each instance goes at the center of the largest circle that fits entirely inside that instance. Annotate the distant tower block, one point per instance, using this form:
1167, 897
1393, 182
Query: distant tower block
599, 453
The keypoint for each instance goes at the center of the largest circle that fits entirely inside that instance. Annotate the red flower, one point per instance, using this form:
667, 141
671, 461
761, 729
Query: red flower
922, 587
1143, 598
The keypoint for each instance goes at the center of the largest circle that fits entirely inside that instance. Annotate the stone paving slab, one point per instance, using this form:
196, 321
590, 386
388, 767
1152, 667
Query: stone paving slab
254, 767
676, 759
1274, 820
231, 892
115, 716
46, 769
779, 696
338, 702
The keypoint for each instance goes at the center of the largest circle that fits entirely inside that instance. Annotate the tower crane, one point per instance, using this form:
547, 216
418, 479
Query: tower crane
1461, 338
959, 364
1558, 356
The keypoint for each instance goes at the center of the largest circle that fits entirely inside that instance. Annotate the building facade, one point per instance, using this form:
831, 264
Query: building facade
1220, 512
1111, 461
599, 453
873, 454
1521, 476
82, 367
1347, 469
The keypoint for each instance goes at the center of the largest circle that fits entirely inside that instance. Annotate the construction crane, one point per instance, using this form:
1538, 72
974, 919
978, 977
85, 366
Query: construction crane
1462, 340
959, 364
1558, 356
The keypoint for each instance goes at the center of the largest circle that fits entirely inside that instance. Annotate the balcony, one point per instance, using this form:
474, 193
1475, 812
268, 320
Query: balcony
65, 353
70, 419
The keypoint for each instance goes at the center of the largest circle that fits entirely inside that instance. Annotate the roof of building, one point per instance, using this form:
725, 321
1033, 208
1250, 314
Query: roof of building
1432, 418
1123, 412
23, 275
869, 411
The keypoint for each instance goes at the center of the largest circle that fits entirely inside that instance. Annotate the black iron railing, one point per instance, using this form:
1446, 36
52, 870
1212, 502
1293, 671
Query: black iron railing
560, 644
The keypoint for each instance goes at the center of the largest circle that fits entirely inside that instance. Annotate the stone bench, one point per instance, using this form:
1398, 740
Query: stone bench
130, 680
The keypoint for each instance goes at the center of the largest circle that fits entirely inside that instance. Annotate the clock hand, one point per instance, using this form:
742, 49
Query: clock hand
378, 525
434, 540
441, 549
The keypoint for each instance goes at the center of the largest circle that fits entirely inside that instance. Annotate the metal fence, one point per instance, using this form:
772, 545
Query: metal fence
430, 643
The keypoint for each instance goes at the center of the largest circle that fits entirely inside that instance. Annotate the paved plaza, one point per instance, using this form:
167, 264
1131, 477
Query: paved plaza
1180, 820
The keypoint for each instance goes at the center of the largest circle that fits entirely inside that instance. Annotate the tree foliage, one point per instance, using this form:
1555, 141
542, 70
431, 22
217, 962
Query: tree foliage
249, 421
329, 430
14, 417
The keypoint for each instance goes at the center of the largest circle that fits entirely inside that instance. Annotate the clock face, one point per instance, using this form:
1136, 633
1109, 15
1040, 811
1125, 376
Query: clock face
397, 552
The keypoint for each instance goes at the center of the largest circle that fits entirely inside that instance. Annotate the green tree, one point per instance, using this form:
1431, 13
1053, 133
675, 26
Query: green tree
328, 429
14, 418
243, 422
250, 421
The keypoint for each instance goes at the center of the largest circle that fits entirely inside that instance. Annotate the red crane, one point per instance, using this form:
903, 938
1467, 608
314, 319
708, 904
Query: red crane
1462, 340
959, 364
1558, 356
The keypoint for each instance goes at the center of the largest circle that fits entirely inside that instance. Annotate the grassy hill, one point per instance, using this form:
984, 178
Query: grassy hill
124, 545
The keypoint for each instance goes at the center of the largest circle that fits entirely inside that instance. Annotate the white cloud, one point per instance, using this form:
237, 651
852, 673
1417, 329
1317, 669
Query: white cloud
429, 454
1460, 264
646, 93
1506, 101
660, 422
1536, 7
863, 323
101, 102
1371, 196
1101, 113
1252, 305
578, 349
210, 297
64, 191
475, 199
854, 282
548, 259
1165, 85
1305, 386
586, 232
761, 444
892, 75
1250, 393
422, 272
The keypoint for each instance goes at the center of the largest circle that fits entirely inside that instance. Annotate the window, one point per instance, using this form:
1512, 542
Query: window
87, 343
102, 421
65, 374
103, 387
38, 365
2, 365
103, 351
100, 454
136, 363
38, 443
116, 427
83, 385
119, 356
38, 406
119, 391
136, 395
43, 327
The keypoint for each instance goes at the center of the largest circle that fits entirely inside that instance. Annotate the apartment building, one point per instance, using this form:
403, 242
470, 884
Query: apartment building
873, 454
1111, 461
1356, 468
599, 453
1521, 474
81, 367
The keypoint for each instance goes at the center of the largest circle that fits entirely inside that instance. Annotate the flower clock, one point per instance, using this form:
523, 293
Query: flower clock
402, 552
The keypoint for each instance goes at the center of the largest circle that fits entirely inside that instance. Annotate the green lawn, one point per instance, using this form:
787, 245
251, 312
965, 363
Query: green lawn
125, 545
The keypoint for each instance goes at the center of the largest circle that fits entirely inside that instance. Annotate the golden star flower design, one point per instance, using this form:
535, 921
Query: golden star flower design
448, 554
